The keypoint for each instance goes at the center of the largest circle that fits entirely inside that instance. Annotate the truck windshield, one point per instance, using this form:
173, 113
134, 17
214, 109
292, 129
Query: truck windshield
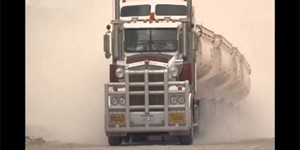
137, 10
171, 10
150, 40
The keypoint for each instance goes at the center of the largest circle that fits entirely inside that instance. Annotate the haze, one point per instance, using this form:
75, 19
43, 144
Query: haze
66, 68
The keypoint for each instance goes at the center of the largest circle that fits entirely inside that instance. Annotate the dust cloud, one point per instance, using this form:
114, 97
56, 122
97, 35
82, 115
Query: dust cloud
66, 68
249, 25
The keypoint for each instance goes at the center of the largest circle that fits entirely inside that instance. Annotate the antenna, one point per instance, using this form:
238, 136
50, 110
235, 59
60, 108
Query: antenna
112, 6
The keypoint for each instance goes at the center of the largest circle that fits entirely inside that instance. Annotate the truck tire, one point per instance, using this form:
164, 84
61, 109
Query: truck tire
196, 118
186, 139
114, 141
138, 138
197, 131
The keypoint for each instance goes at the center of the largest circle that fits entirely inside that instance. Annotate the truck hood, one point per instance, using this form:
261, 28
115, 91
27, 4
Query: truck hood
152, 57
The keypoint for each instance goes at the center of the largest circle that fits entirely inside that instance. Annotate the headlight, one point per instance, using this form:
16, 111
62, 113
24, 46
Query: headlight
173, 100
173, 71
181, 100
120, 72
122, 101
114, 101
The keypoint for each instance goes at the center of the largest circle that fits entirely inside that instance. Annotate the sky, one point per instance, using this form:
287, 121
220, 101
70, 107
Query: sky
66, 68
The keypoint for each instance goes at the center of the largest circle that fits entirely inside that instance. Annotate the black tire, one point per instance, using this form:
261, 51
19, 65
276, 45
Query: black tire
138, 138
114, 141
197, 131
126, 139
186, 139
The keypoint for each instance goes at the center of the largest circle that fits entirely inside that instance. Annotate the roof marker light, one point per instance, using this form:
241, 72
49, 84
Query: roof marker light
134, 19
167, 19
152, 16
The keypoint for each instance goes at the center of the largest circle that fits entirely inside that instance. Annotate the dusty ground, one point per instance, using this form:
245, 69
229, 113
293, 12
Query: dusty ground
256, 144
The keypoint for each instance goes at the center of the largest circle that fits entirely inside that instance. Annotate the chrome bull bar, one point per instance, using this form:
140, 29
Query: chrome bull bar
146, 92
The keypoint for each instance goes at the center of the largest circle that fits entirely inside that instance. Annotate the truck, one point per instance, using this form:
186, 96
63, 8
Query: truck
167, 73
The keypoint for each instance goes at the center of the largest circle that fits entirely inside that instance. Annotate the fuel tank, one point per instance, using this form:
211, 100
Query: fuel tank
222, 72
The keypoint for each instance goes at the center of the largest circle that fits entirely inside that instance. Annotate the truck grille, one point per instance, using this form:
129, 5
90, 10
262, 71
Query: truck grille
146, 89
137, 100
141, 78
143, 84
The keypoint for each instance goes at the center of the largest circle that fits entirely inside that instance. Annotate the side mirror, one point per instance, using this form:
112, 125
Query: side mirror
108, 27
192, 25
106, 44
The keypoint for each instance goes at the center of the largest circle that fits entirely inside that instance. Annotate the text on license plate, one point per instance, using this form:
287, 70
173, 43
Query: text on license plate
117, 118
177, 118
147, 117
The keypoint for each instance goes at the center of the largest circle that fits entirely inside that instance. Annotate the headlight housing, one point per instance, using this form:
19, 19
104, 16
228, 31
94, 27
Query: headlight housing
173, 100
114, 101
122, 101
120, 72
173, 71
181, 100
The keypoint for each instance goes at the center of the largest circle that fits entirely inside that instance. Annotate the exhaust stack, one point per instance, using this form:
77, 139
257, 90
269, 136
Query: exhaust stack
117, 9
189, 14
116, 49
189, 9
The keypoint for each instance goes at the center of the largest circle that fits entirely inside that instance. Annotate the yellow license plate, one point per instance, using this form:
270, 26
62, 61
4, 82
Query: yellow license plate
177, 118
117, 118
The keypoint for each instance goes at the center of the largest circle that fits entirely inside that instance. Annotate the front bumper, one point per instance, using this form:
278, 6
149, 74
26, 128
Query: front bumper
160, 113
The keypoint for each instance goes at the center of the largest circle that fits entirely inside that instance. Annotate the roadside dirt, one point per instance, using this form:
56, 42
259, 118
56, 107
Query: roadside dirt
254, 144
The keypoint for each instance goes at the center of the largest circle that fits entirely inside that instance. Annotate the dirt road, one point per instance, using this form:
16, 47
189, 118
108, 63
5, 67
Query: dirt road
256, 144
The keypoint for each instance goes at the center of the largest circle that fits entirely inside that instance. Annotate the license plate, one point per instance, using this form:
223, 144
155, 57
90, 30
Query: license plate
177, 118
147, 117
117, 118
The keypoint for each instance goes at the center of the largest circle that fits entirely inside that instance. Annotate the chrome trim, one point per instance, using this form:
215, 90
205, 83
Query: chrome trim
146, 108
143, 72
117, 93
187, 105
150, 107
117, 107
127, 97
146, 92
151, 83
166, 98
177, 106
142, 63
149, 129
106, 105
160, 64
143, 107
136, 64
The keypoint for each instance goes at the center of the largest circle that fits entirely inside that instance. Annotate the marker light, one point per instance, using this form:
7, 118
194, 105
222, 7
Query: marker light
173, 72
114, 101
120, 72
181, 100
173, 100
122, 101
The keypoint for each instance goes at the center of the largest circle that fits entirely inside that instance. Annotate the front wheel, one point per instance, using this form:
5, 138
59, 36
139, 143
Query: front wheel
196, 131
113, 141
